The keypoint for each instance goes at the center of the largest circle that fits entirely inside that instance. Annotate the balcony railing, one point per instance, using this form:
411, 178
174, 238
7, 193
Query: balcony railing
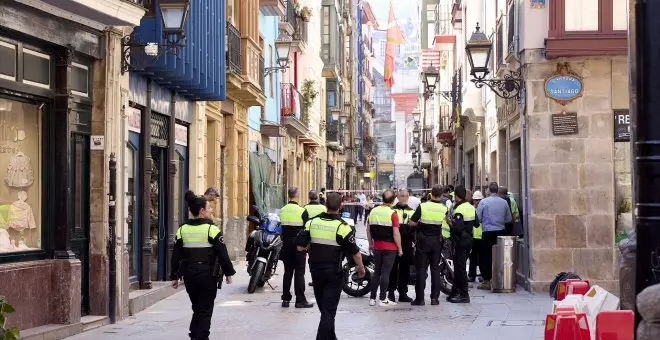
428, 139
290, 106
299, 29
233, 49
262, 73
290, 15
333, 132
251, 62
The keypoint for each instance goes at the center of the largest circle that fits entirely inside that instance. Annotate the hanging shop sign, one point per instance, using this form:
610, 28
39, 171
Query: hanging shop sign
565, 123
564, 85
181, 135
621, 126
133, 117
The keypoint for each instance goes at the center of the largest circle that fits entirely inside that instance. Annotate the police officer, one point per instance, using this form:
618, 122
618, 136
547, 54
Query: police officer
430, 224
314, 208
198, 245
400, 274
461, 224
293, 218
326, 237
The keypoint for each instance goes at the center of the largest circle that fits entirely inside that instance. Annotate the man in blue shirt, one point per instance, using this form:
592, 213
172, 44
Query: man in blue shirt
494, 213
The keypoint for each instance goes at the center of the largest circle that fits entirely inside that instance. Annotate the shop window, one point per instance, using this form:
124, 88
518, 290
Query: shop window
79, 80
8, 64
36, 68
20, 188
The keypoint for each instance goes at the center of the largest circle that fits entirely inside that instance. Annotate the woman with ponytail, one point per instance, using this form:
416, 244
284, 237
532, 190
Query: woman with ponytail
198, 246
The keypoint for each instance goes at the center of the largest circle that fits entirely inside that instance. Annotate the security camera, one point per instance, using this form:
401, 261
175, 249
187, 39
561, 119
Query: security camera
151, 49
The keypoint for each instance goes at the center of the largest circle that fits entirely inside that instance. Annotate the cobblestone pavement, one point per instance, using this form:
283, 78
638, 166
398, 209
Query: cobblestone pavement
239, 315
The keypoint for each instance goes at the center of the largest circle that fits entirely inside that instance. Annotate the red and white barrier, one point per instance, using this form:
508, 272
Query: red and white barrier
582, 312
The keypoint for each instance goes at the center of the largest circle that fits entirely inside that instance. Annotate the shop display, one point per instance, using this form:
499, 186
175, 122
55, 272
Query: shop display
19, 171
20, 214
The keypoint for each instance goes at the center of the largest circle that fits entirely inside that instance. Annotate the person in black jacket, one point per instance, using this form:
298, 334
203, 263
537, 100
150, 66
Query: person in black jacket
198, 246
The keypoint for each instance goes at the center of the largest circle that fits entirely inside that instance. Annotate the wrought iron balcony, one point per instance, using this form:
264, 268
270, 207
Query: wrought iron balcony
446, 129
287, 21
300, 34
233, 50
428, 139
290, 110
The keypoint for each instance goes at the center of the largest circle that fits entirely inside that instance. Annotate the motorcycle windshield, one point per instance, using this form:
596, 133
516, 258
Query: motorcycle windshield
274, 228
267, 238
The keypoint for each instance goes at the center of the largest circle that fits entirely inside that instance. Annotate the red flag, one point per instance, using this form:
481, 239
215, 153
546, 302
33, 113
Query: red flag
394, 38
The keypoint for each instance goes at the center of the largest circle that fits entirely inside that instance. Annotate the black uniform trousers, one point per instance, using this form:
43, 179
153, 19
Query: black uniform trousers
294, 269
462, 248
474, 258
400, 274
327, 291
427, 254
202, 289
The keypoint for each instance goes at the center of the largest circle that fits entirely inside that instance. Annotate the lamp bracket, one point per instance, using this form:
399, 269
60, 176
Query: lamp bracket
446, 95
269, 70
132, 45
506, 88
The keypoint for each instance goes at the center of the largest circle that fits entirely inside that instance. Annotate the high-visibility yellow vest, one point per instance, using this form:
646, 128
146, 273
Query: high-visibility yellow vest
404, 228
477, 232
433, 217
468, 212
324, 248
315, 209
291, 219
380, 223
196, 241
197, 236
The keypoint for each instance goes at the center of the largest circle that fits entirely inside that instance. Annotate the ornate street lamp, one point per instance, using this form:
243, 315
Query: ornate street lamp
174, 14
282, 49
479, 50
416, 116
334, 114
343, 119
431, 76
416, 132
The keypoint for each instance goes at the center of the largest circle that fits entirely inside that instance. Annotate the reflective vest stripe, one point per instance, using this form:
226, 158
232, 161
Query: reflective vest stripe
425, 221
196, 245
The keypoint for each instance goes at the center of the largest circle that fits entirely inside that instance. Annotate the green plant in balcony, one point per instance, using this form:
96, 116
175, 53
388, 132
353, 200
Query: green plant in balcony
308, 97
6, 333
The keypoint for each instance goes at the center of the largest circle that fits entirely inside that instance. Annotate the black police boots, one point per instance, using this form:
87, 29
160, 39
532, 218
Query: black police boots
391, 297
405, 298
463, 298
285, 304
417, 302
304, 304
435, 302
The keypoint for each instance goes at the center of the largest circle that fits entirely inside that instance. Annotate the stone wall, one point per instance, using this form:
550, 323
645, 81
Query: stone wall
572, 185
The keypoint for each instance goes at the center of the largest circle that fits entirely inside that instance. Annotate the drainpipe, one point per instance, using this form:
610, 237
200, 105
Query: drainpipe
112, 250
172, 172
146, 163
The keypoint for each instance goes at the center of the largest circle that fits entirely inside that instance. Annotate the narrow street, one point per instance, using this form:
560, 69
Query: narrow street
239, 315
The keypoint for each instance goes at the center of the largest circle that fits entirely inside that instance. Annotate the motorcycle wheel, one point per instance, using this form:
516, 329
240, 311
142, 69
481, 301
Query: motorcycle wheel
255, 278
446, 277
353, 286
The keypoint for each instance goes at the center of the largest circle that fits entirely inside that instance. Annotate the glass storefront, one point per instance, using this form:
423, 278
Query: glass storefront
20, 165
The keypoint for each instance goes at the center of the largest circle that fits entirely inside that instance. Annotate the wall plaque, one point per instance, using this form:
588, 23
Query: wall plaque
565, 123
564, 85
621, 126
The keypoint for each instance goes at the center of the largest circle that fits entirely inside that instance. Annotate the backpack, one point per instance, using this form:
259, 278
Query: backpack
563, 276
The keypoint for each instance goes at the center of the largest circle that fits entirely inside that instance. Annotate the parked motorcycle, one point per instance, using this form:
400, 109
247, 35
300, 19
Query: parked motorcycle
446, 269
263, 248
353, 285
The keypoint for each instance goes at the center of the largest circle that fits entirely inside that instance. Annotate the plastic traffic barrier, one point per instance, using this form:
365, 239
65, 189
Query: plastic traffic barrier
615, 325
566, 325
562, 287
580, 287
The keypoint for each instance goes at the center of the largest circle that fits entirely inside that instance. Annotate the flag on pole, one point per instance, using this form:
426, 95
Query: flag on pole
394, 38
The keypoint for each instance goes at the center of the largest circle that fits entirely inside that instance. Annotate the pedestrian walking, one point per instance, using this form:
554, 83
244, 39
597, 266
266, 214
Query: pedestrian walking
293, 218
476, 240
461, 223
400, 275
327, 237
385, 241
197, 248
494, 213
429, 222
